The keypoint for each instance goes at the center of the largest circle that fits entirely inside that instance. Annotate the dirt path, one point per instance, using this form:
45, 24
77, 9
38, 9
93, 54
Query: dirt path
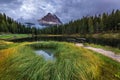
109, 54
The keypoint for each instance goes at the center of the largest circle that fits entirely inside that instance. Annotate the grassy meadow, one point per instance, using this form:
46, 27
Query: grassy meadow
18, 61
13, 36
108, 35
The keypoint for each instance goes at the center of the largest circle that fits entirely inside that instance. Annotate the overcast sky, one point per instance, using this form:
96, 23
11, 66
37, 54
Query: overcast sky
66, 10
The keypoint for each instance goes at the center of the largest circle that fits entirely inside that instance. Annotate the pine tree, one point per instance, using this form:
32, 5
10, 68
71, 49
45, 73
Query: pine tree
90, 24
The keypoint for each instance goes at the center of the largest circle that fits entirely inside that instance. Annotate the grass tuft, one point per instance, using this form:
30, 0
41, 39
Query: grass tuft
71, 63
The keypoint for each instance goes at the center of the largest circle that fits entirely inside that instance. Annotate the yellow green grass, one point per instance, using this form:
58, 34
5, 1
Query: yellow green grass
5, 44
13, 36
109, 35
72, 63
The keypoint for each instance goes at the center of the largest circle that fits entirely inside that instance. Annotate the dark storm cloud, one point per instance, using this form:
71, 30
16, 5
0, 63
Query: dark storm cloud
66, 10
6, 5
75, 9
7, 1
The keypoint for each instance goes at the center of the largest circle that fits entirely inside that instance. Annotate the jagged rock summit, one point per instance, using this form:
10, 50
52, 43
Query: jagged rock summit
50, 19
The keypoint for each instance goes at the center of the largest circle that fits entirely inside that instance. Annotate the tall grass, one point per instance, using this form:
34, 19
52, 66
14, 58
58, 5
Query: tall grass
71, 63
110, 70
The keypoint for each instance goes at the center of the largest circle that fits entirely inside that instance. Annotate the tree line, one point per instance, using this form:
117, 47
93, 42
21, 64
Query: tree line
88, 25
8, 25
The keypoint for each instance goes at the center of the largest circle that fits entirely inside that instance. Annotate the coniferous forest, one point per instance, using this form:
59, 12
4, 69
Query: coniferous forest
8, 25
88, 25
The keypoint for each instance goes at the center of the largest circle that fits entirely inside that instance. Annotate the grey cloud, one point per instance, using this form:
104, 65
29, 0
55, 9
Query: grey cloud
9, 7
9, 4
66, 10
6, 1
75, 9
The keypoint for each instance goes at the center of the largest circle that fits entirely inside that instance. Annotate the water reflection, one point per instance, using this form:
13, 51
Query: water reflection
47, 55
101, 41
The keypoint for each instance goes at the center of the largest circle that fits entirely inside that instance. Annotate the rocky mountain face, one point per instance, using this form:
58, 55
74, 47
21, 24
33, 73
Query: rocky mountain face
46, 21
50, 19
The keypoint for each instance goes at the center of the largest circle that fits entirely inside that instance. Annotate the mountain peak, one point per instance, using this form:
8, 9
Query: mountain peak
50, 19
49, 14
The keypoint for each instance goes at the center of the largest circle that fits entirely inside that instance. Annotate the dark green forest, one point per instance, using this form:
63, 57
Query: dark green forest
101, 23
8, 25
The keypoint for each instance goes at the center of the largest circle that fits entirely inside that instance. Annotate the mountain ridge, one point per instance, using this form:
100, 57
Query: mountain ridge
50, 19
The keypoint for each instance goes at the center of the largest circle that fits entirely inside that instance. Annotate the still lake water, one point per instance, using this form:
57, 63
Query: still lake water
48, 56
101, 41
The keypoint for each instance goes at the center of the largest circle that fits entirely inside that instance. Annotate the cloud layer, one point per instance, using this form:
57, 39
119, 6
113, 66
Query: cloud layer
65, 9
